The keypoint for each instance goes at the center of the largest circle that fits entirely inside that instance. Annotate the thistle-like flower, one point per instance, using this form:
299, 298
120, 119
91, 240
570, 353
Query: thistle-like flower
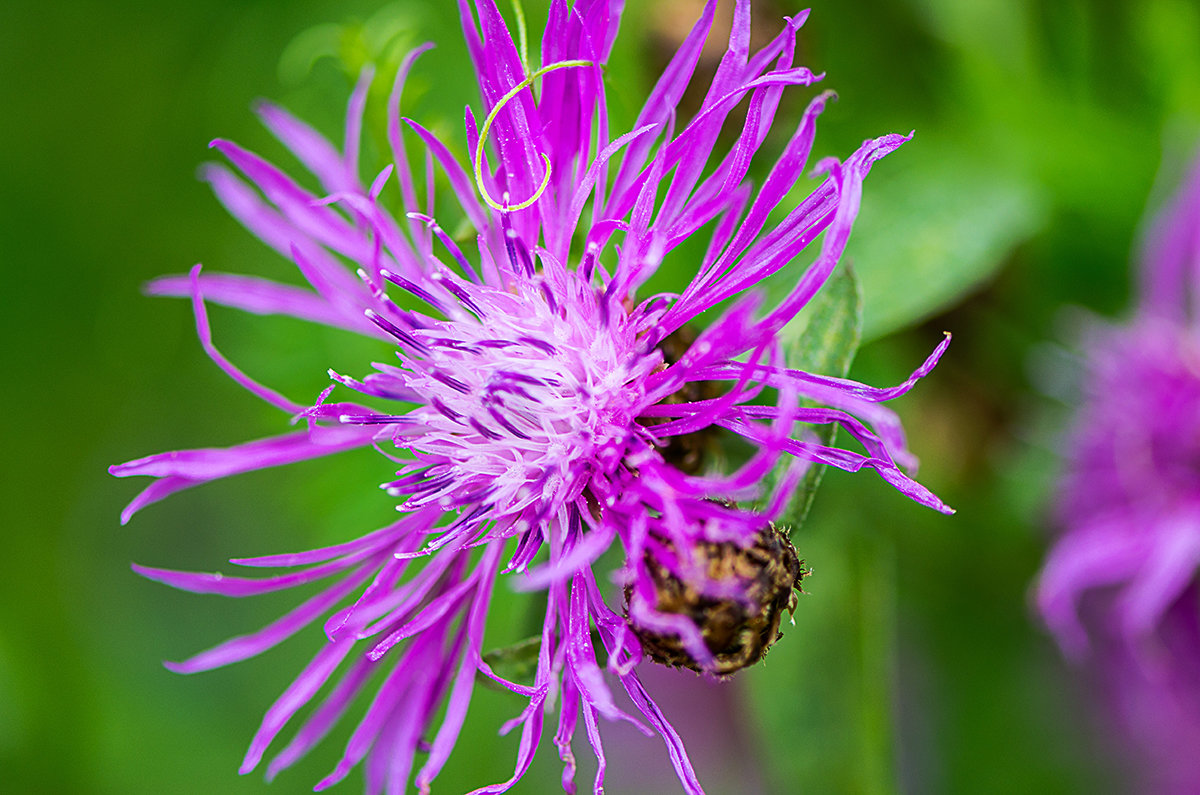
1121, 581
541, 406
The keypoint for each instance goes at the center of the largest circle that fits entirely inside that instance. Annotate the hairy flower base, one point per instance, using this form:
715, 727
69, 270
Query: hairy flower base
735, 595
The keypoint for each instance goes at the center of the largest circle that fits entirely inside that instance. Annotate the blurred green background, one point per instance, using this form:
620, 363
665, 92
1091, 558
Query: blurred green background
914, 665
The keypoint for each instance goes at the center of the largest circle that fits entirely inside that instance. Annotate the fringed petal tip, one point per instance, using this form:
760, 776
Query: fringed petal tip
149, 572
195, 582
181, 667
826, 166
796, 22
158, 286
926, 497
911, 488
890, 142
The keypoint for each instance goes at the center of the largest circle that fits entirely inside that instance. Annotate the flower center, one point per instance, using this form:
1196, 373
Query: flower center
525, 402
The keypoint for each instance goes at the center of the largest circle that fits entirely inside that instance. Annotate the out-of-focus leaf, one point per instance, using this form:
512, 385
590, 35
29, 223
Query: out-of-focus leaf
309, 46
1168, 36
822, 339
997, 28
516, 663
382, 40
932, 230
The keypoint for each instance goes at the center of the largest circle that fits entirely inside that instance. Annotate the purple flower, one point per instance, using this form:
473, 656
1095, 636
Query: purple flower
1121, 580
540, 406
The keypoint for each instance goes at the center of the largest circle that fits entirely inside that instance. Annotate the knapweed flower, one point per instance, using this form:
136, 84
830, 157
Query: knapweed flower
1121, 581
539, 405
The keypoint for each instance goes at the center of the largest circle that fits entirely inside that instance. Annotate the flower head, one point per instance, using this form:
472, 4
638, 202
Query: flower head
1122, 578
539, 406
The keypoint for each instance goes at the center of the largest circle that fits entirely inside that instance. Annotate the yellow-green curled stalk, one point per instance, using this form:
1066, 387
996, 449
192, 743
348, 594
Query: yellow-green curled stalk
487, 125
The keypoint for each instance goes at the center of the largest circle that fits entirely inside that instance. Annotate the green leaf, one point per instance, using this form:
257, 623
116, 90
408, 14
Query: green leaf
516, 663
934, 227
823, 340
824, 337
305, 49
382, 40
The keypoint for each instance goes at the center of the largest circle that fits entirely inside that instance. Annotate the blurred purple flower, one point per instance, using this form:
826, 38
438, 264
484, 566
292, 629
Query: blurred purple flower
535, 410
1121, 580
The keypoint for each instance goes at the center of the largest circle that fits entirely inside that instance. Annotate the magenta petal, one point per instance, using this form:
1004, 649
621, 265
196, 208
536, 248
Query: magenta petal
460, 696
301, 691
678, 754
368, 542
252, 294
321, 721
1166, 571
463, 186
308, 145
217, 583
246, 646
1171, 251
204, 332
395, 137
218, 462
183, 469
354, 121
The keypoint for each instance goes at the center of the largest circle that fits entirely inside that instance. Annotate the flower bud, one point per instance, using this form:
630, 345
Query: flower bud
738, 629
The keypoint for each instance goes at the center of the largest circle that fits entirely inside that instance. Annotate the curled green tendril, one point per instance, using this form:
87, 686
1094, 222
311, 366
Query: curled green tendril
487, 125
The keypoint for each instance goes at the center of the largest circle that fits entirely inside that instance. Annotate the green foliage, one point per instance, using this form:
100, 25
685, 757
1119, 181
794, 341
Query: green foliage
381, 40
516, 663
935, 226
822, 339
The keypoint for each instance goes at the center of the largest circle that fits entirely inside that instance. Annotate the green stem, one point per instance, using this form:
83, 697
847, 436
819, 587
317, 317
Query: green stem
876, 574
